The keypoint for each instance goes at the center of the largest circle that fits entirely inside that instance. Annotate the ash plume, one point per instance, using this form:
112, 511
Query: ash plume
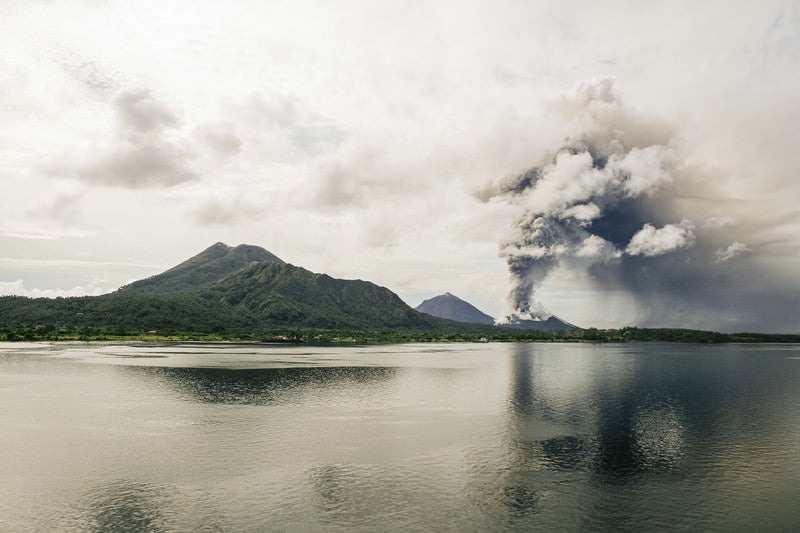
649, 228
586, 202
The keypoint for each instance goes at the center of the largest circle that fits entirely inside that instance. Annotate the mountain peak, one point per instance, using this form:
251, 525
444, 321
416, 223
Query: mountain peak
452, 307
253, 253
212, 264
212, 252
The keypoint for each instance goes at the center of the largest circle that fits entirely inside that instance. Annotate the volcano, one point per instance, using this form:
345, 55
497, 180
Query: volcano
553, 323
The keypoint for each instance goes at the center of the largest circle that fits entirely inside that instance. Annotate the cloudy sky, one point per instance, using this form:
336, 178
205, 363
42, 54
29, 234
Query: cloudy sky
625, 165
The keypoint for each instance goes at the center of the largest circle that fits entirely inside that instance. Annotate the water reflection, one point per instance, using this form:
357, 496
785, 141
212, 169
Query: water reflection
260, 386
354, 496
541, 448
658, 433
124, 506
628, 424
572, 421
599, 421
498, 437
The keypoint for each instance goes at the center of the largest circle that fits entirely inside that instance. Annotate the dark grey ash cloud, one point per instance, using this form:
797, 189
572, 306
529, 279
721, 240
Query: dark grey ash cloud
603, 172
617, 203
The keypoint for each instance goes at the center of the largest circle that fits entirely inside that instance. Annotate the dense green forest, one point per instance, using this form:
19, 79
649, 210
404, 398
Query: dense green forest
83, 328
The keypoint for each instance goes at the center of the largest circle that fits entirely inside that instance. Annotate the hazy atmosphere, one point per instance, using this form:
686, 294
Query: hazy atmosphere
610, 165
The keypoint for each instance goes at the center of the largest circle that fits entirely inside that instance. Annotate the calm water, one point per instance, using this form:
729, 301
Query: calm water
399, 438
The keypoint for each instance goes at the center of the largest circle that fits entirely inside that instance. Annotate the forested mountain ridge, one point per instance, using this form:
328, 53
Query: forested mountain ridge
224, 289
212, 264
284, 293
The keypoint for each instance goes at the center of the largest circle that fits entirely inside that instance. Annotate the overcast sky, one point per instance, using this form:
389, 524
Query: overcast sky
377, 140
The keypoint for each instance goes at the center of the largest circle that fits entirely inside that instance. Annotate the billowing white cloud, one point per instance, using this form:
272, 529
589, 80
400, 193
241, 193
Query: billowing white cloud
647, 169
584, 213
651, 241
598, 248
734, 250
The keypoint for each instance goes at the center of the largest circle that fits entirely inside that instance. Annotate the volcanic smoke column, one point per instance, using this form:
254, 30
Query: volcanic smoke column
531, 254
529, 261
600, 175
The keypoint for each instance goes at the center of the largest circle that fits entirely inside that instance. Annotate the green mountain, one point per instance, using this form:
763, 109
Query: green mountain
224, 289
212, 264
286, 294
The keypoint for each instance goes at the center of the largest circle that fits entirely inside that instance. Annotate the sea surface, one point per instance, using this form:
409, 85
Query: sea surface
414, 437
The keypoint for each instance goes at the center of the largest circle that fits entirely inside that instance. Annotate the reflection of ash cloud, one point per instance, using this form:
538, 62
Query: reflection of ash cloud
569, 452
538, 456
573, 416
541, 429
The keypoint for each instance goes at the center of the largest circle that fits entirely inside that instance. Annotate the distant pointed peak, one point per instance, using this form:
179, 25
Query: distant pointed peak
452, 307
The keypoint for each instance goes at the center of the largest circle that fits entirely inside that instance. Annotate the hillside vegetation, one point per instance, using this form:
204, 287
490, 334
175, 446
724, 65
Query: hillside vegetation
236, 291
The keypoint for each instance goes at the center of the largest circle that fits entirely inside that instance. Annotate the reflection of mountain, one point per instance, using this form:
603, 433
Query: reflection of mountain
262, 386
